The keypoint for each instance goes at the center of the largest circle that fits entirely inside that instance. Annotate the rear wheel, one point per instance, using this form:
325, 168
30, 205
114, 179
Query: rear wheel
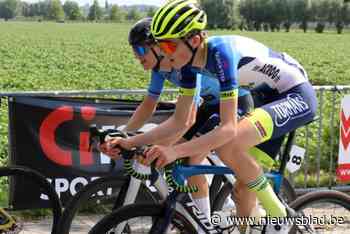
12, 221
328, 211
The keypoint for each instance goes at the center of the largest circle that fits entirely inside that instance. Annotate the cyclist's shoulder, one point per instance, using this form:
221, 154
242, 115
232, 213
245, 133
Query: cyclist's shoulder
236, 46
221, 48
224, 41
219, 43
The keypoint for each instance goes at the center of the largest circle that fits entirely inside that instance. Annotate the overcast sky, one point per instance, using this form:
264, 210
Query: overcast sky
119, 2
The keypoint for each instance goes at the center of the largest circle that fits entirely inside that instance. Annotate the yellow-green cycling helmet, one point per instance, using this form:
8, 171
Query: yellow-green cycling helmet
178, 18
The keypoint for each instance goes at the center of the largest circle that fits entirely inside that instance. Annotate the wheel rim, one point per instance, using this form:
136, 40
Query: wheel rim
327, 216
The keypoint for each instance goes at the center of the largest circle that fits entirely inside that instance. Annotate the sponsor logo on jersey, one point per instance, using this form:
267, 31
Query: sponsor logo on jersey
187, 92
261, 129
232, 94
178, 75
294, 107
219, 66
270, 70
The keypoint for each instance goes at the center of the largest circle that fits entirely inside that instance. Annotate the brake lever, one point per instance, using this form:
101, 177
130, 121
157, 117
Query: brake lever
101, 135
94, 133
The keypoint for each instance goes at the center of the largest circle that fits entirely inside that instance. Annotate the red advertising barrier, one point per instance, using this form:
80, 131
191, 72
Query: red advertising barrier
343, 170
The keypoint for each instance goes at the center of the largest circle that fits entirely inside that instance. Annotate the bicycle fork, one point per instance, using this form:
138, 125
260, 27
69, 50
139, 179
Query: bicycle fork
134, 187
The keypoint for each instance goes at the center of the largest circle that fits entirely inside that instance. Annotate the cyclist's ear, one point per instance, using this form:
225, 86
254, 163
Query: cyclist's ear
195, 40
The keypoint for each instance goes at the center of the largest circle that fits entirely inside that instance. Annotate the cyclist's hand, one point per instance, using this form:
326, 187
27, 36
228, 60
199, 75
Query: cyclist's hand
112, 153
111, 149
163, 154
102, 148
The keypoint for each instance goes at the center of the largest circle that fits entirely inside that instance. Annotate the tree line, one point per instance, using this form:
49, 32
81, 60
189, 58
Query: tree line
70, 10
274, 15
259, 15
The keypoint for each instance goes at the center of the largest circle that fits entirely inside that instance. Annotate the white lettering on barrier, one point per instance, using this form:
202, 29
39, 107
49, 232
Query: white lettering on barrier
73, 184
63, 185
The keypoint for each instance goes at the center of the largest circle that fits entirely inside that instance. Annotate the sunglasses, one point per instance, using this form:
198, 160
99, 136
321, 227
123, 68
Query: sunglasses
168, 47
140, 50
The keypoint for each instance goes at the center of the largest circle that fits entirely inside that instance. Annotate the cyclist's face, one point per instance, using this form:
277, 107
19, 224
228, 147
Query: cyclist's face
145, 56
176, 51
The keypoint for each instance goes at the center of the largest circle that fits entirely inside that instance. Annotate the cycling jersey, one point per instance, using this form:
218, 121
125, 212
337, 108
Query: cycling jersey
208, 85
289, 100
205, 111
240, 61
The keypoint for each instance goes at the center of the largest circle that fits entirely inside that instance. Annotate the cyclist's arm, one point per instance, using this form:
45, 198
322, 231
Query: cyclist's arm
191, 82
177, 137
178, 123
215, 138
226, 71
146, 109
143, 112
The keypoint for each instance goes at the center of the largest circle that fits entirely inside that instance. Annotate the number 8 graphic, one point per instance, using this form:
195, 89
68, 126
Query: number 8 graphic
296, 159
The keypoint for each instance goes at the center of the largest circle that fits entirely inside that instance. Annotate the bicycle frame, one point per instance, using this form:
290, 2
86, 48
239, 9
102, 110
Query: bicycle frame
134, 187
160, 184
181, 173
185, 205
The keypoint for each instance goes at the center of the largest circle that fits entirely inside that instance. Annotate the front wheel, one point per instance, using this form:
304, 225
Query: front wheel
97, 199
325, 212
140, 218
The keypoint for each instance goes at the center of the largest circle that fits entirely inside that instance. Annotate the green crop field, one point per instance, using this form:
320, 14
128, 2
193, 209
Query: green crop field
51, 56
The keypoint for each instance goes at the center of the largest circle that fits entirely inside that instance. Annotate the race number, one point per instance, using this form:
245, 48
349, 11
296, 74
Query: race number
296, 158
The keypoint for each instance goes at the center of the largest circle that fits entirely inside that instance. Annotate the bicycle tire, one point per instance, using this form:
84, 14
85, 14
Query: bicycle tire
227, 188
39, 179
136, 211
328, 195
318, 197
84, 195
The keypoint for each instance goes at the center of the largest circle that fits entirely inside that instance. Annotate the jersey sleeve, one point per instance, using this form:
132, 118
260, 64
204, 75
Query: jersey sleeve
188, 81
156, 85
226, 71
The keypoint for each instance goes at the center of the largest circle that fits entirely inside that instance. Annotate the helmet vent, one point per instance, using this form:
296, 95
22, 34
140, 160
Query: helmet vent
164, 15
185, 22
174, 19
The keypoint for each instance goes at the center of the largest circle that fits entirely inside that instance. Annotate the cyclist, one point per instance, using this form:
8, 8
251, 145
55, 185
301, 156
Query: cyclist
148, 53
289, 99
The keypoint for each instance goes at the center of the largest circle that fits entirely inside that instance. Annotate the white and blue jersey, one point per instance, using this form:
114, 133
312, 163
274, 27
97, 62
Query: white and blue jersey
240, 61
288, 100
